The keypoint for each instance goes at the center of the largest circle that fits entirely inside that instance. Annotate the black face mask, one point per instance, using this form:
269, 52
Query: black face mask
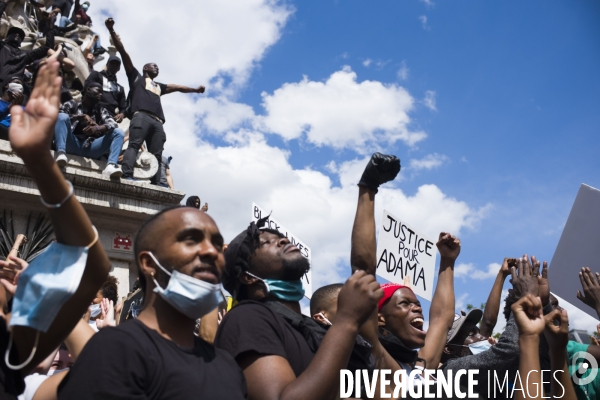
111, 76
396, 348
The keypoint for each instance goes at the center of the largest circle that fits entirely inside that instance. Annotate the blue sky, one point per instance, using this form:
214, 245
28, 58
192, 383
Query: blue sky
498, 105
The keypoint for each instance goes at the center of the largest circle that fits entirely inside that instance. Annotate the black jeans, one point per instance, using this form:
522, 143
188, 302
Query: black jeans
144, 128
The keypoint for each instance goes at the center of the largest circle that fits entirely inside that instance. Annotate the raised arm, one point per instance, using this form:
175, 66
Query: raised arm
88, 48
127, 63
379, 170
557, 335
31, 133
492, 305
441, 313
591, 289
171, 88
530, 321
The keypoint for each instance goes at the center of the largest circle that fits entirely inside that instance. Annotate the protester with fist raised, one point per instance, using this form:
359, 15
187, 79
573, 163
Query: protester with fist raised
281, 356
400, 319
146, 112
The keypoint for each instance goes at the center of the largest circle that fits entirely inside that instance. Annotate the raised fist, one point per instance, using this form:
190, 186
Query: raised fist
380, 169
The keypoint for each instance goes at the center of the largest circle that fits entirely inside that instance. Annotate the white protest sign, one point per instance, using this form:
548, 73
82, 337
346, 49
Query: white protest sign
578, 247
258, 213
401, 252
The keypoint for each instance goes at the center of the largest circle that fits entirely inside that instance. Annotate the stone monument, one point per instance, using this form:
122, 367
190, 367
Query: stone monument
116, 208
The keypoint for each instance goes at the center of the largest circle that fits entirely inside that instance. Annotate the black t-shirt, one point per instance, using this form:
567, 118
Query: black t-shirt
256, 328
133, 361
11, 382
145, 94
113, 94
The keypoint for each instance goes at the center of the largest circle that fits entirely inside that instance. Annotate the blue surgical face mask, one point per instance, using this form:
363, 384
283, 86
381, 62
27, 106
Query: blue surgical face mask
95, 310
282, 290
85, 7
44, 287
480, 346
190, 296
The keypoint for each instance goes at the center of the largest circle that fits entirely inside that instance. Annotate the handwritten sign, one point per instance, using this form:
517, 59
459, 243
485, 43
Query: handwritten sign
577, 248
258, 213
403, 252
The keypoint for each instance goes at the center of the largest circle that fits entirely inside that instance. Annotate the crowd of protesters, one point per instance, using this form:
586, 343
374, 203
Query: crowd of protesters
216, 319
92, 106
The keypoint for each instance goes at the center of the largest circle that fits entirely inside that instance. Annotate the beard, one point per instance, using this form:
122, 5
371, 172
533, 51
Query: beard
295, 269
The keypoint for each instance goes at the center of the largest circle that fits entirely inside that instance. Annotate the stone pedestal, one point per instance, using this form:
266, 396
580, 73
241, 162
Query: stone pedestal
117, 208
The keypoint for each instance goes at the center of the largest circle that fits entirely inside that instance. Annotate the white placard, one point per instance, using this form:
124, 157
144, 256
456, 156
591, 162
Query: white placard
577, 248
258, 213
403, 251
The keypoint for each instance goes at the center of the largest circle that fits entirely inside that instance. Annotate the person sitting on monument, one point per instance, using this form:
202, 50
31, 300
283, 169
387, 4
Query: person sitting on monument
147, 113
179, 255
113, 94
77, 254
280, 359
12, 59
13, 96
87, 129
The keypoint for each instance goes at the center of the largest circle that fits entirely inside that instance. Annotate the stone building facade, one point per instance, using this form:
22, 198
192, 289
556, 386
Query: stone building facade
116, 208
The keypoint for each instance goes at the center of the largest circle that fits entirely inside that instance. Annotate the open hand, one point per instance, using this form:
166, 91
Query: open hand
32, 130
523, 280
528, 315
591, 288
10, 271
448, 246
204, 207
108, 314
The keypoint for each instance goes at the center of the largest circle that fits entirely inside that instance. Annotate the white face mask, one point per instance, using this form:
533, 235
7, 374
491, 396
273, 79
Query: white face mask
480, 346
56, 371
325, 319
49, 282
190, 296
95, 310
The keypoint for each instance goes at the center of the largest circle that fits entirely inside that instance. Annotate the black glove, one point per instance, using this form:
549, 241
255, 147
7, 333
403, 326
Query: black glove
379, 170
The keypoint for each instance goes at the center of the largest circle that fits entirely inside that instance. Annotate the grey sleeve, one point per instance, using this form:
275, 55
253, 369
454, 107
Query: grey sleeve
500, 358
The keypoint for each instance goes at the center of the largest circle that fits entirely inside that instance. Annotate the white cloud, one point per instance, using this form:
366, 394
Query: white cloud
469, 270
219, 44
403, 71
428, 3
367, 62
429, 100
464, 159
194, 42
428, 162
423, 19
341, 112
461, 301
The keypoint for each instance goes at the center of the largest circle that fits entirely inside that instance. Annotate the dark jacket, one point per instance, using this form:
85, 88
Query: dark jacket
13, 60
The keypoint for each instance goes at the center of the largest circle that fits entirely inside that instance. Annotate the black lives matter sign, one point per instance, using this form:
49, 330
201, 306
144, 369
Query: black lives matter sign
258, 213
402, 251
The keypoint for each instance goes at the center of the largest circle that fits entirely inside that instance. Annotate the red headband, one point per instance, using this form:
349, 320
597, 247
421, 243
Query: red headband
388, 291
